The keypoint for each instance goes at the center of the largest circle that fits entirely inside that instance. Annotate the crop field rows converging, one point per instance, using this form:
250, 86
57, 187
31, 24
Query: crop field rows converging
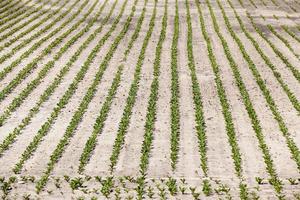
150, 99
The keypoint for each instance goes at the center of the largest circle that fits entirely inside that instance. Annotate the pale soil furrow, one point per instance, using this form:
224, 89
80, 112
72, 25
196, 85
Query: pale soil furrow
274, 139
100, 160
23, 37
159, 161
252, 160
20, 113
64, 117
69, 164
39, 161
129, 158
188, 151
13, 73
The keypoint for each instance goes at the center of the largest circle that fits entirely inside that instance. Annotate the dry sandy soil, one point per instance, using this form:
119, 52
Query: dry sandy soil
150, 99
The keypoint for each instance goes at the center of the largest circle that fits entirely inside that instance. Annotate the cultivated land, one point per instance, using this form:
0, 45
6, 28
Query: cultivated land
150, 99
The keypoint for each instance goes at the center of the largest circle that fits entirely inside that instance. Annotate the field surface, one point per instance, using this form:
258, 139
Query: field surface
150, 99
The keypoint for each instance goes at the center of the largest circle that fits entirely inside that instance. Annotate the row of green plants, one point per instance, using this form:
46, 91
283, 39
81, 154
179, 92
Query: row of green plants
285, 60
131, 98
151, 108
198, 104
45, 128
249, 106
99, 124
9, 9
285, 41
266, 92
175, 93
5, 3
152, 102
230, 130
270, 167
35, 35
24, 72
40, 12
39, 33
292, 97
77, 117
17, 101
56, 82
33, 64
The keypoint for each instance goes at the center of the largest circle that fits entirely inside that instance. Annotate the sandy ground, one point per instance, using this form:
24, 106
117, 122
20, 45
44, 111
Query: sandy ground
188, 173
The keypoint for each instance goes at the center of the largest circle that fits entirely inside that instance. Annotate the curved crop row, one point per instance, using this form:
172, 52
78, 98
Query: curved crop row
34, 36
45, 128
131, 98
5, 3
230, 130
285, 41
51, 88
29, 14
27, 31
57, 153
175, 114
33, 64
294, 70
265, 91
246, 101
98, 126
293, 99
24, 72
9, 8
43, 72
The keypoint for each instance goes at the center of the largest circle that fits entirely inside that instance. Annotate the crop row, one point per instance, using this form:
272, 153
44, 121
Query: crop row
29, 14
45, 128
29, 30
33, 64
6, 11
274, 181
99, 124
151, 108
175, 114
266, 92
198, 105
294, 70
29, 67
131, 98
58, 79
152, 102
230, 130
273, 107
43, 72
293, 99
5, 3
57, 153
34, 36
248, 105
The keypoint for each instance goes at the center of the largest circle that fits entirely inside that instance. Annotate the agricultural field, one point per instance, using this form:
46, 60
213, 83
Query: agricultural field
150, 99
